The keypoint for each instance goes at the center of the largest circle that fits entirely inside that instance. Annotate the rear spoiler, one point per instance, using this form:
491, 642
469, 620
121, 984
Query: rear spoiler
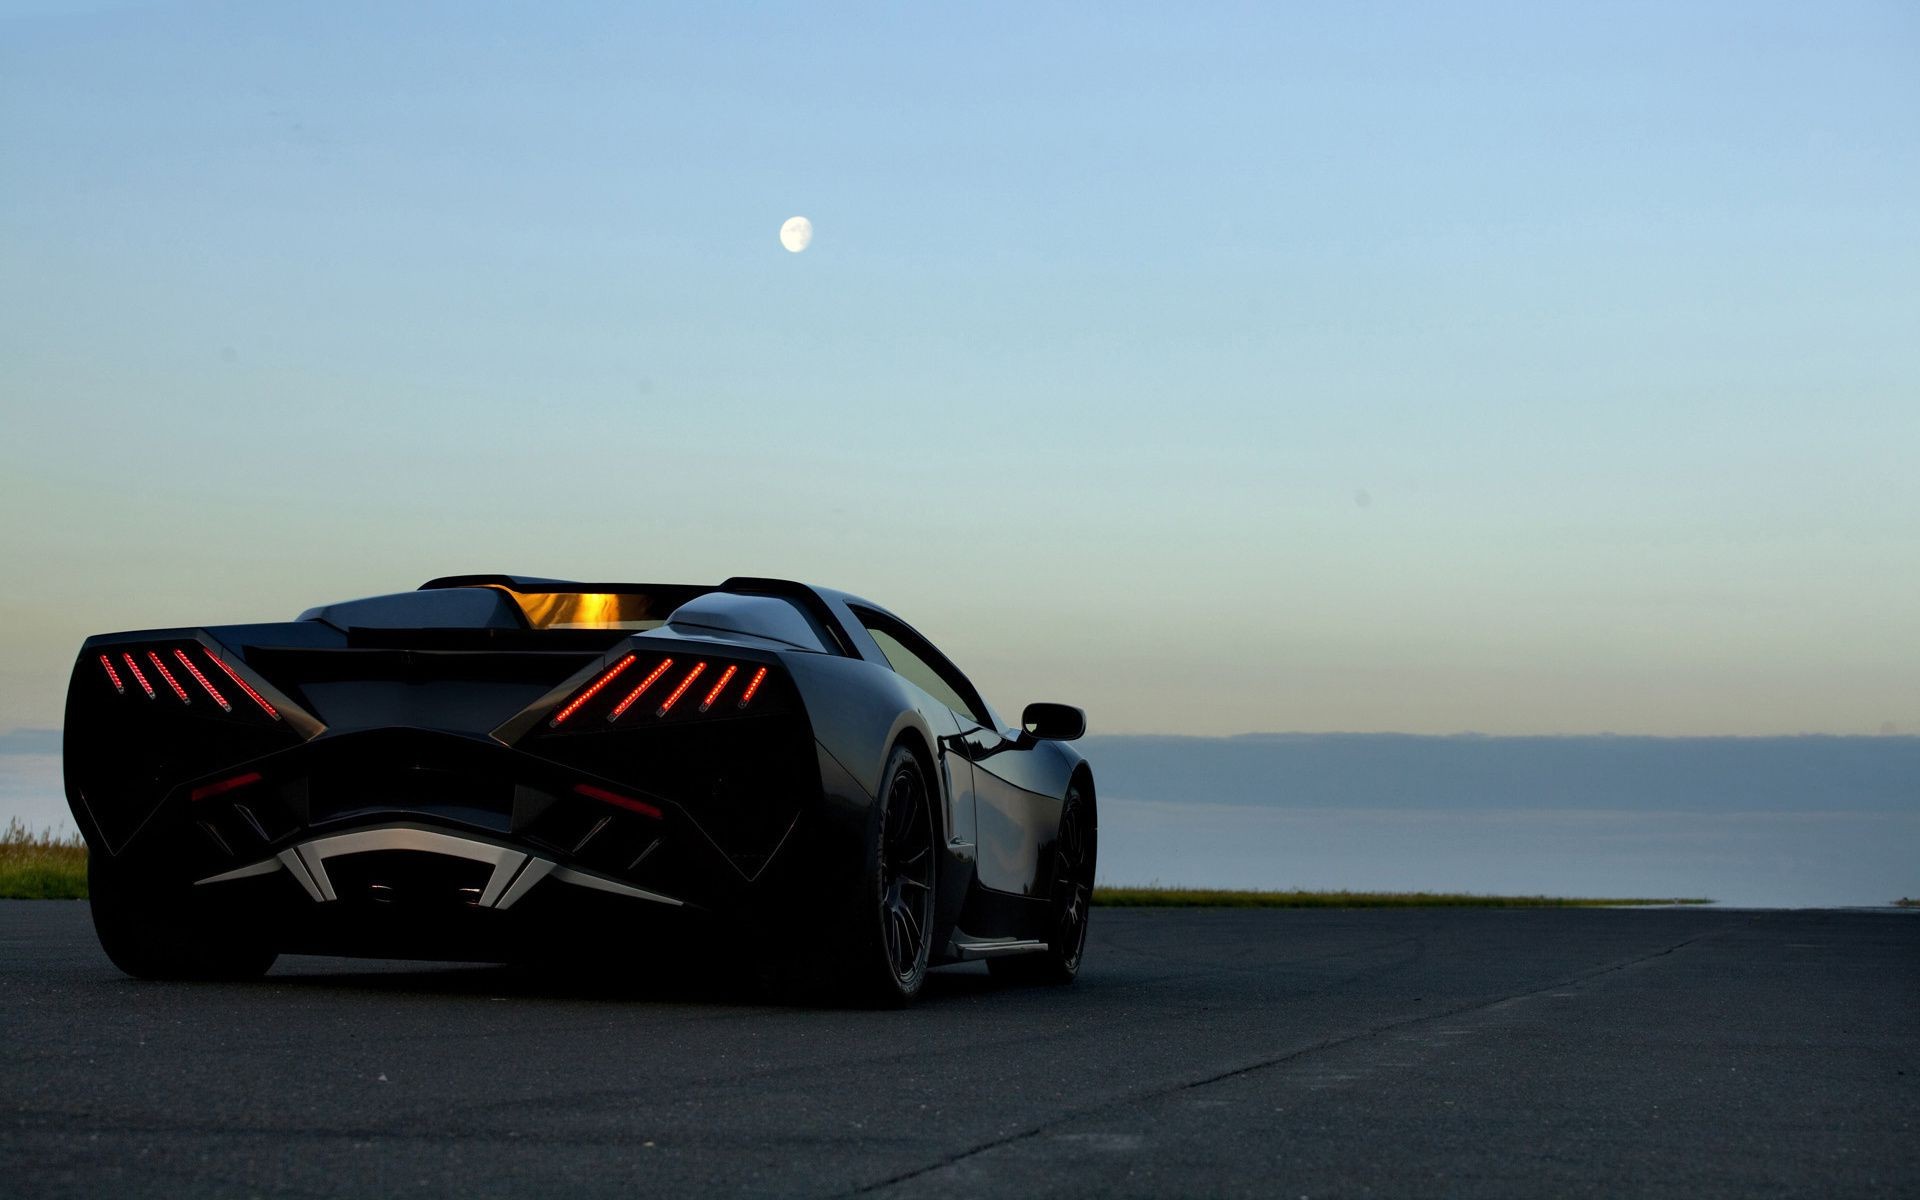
535, 583
806, 597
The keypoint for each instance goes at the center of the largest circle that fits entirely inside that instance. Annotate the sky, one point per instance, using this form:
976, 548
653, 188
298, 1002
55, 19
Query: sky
1515, 368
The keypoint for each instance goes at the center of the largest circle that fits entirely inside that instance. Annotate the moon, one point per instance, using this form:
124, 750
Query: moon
797, 234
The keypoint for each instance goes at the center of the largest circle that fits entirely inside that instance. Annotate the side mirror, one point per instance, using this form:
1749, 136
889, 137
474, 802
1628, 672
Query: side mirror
1053, 722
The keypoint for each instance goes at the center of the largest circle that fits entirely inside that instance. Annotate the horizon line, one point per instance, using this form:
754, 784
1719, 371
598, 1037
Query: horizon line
38, 731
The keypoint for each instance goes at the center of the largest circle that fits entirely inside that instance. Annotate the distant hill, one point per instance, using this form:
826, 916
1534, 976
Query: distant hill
30, 741
1365, 770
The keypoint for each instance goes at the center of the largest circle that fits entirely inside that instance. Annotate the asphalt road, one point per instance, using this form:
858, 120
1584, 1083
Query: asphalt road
1278, 1053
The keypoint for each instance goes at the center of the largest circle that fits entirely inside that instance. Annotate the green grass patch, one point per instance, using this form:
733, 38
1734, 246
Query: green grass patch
1168, 897
41, 866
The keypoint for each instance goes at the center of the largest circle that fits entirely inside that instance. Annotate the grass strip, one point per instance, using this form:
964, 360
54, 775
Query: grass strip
41, 866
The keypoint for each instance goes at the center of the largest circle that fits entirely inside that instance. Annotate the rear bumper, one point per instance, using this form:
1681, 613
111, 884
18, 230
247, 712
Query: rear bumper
435, 844
407, 890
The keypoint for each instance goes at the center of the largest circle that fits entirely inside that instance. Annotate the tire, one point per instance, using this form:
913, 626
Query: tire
156, 930
891, 932
1075, 851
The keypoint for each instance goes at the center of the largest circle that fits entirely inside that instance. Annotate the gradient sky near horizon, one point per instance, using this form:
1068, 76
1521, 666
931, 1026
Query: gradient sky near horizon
1505, 367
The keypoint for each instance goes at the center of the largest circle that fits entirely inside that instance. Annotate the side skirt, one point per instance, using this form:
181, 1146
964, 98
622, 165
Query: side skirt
964, 949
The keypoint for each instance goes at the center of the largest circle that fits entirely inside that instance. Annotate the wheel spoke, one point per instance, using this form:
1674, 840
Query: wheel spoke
904, 948
913, 815
906, 868
1072, 886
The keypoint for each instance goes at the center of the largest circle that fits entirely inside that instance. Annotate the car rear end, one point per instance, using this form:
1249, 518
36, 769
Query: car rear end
468, 789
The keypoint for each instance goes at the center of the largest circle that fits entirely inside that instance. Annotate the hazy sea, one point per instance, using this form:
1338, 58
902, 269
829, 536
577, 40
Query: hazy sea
1746, 859
1772, 822
1758, 821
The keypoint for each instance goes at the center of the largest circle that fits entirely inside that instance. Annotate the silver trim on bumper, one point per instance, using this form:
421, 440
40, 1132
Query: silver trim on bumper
515, 872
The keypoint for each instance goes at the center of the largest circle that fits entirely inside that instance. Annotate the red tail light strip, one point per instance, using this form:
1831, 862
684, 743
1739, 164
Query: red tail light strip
154, 658
202, 680
636, 693
244, 686
726, 677
113, 675
753, 685
225, 785
611, 673
617, 800
682, 689
135, 668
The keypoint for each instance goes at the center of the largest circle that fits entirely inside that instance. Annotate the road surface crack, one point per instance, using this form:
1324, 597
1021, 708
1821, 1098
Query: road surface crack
1279, 1060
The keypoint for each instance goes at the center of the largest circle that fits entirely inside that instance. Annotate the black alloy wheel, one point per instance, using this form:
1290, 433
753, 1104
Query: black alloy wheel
1070, 897
906, 872
888, 934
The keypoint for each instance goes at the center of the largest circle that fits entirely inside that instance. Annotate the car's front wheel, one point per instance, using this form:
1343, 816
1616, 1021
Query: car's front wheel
159, 930
1071, 899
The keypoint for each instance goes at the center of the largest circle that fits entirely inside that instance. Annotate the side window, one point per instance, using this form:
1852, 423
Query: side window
920, 664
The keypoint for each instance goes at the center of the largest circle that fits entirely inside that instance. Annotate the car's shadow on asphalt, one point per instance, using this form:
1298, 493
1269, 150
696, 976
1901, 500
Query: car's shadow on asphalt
673, 982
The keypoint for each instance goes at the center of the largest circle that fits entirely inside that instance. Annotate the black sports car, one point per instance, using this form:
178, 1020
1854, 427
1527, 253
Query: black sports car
493, 766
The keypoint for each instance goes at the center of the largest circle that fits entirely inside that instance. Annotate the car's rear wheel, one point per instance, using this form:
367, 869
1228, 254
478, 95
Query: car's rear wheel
893, 918
1071, 899
159, 930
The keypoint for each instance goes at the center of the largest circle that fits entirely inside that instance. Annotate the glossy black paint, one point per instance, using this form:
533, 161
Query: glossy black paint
435, 709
